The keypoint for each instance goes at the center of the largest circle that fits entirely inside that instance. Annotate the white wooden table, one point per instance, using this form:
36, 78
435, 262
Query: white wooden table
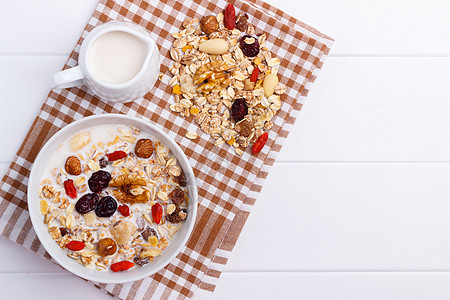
364, 176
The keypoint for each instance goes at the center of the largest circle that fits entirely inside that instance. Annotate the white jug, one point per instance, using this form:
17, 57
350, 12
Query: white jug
122, 37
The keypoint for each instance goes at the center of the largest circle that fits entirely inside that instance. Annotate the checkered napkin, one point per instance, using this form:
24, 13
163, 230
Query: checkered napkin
228, 184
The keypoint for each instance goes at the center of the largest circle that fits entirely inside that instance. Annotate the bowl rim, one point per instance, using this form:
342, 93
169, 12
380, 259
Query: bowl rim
189, 175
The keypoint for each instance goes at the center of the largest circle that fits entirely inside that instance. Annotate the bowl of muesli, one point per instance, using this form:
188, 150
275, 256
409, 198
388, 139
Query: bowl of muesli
112, 198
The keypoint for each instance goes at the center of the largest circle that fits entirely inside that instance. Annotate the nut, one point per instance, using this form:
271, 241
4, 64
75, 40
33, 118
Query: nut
214, 46
127, 179
73, 165
129, 184
143, 148
269, 84
209, 24
122, 232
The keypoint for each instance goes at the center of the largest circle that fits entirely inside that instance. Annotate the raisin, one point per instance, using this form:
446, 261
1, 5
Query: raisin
239, 109
141, 261
99, 181
103, 162
148, 232
106, 207
175, 216
86, 203
241, 22
249, 46
244, 128
63, 231
180, 179
177, 196
106, 247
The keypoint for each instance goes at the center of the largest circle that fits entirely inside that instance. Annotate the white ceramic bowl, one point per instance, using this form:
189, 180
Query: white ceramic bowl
60, 255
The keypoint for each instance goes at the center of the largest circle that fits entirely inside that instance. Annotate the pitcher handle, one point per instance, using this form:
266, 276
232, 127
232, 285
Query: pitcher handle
67, 78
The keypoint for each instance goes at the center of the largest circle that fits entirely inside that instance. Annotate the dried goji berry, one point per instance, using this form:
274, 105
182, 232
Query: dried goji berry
157, 211
75, 245
260, 142
124, 210
116, 155
121, 266
70, 189
229, 17
254, 75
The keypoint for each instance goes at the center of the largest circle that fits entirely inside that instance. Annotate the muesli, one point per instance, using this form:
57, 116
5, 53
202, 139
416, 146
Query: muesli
113, 197
226, 78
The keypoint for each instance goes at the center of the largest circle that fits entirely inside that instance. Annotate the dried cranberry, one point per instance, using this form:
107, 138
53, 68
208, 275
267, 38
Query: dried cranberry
249, 46
99, 181
177, 196
239, 109
148, 232
86, 203
103, 162
106, 207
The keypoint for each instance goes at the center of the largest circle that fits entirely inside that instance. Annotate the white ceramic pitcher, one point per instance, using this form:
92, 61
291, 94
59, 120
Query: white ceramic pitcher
126, 91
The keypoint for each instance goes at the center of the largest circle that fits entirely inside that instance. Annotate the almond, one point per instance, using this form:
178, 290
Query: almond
214, 46
269, 84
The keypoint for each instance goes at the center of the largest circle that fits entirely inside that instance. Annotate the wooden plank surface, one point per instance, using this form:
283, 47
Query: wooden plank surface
361, 28
311, 286
360, 191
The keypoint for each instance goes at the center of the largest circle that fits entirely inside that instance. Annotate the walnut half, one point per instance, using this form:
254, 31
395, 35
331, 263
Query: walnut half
130, 189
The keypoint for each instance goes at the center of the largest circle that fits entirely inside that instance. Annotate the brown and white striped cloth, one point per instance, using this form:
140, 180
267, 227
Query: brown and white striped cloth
228, 184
